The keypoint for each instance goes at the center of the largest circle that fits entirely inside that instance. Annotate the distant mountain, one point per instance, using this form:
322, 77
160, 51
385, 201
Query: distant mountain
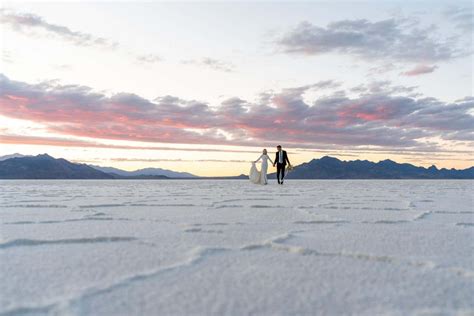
18, 166
239, 177
156, 177
16, 155
147, 172
47, 167
333, 168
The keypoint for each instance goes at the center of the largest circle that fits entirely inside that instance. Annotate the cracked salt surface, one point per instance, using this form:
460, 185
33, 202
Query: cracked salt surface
228, 247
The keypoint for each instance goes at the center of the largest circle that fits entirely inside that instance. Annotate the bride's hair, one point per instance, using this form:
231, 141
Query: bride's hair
264, 151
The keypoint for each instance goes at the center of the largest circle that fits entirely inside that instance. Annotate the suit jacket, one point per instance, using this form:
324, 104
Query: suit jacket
285, 158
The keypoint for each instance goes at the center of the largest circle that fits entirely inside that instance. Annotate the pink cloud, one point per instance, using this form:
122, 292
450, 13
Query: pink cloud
374, 118
420, 70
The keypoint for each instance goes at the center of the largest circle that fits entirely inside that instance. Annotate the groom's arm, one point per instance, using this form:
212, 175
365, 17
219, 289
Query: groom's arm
286, 157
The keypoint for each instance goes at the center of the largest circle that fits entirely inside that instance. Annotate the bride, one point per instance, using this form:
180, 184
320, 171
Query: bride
260, 177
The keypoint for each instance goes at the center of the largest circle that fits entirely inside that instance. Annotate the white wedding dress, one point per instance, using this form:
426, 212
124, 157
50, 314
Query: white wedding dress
259, 177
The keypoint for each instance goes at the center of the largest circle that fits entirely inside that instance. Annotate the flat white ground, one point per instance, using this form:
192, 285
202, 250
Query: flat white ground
230, 247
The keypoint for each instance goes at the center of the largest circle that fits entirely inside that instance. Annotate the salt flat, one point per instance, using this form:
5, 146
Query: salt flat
232, 248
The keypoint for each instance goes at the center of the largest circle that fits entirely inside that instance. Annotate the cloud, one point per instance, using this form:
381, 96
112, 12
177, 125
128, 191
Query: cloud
419, 70
381, 69
384, 87
62, 67
389, 40
148, 59
211, 63
177, 160
462, 17
8, 138
6, 56
34, 25
428, 152
380, 115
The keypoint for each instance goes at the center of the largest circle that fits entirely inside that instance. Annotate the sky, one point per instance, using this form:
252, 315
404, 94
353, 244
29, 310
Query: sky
203, 87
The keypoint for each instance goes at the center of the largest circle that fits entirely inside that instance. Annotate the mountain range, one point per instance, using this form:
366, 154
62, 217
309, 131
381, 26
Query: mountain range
15, 155
146, 172
44, 166
333, 168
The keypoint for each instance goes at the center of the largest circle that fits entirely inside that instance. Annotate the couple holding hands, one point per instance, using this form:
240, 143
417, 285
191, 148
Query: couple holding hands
281, 159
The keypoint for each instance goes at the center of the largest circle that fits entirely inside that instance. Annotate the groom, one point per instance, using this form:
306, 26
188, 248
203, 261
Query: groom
281, 158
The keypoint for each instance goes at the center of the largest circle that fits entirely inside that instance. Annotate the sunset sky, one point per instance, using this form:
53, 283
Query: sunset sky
203, 87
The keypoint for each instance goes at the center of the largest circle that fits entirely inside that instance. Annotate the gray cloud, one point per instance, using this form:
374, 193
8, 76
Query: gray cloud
34, 25
385, 87
381, 69
462, 17
211, 63
31, 24
148, 59
396, 40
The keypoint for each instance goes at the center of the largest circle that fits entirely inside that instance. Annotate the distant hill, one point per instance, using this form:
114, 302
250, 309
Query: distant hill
333, 168
47, 167
144, 173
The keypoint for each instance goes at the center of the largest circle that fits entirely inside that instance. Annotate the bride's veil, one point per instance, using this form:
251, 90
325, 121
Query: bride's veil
254, 174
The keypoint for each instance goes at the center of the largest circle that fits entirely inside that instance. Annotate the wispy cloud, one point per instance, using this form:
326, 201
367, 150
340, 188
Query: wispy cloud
148, 59
381, 115
178, 160
34, 25
8, 138
394, 40
420, 70
211, 63
6, 56
462, 17
62, 67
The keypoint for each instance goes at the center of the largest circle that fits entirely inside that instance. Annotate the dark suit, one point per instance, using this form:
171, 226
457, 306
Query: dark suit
281, 166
